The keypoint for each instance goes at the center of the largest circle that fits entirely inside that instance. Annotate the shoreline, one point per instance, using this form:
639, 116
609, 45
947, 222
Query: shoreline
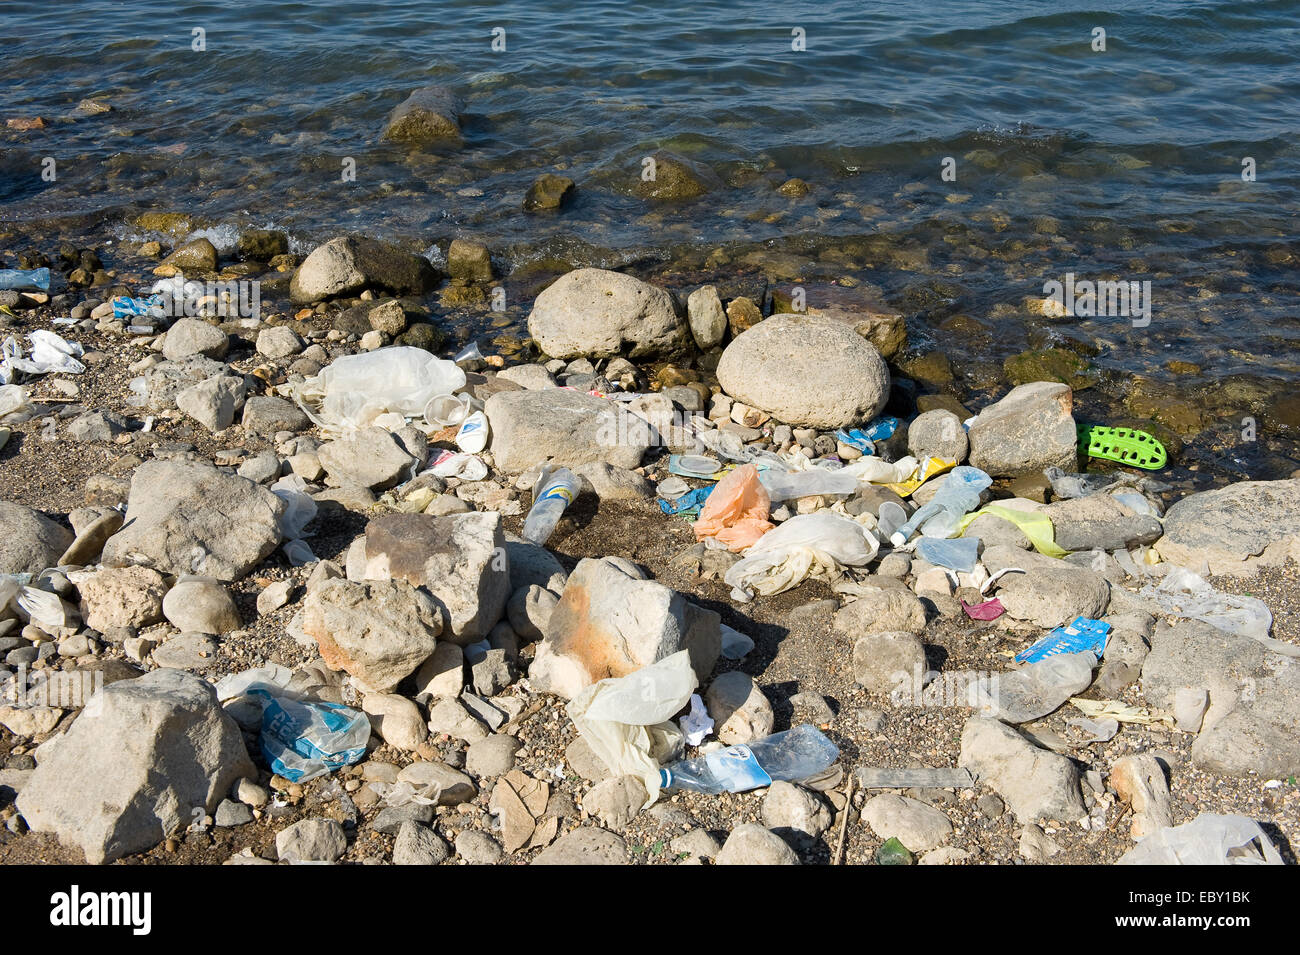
804, 658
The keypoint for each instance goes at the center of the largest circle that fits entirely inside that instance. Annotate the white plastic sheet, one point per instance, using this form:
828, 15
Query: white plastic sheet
301, 509
50, 354
1209, 839
787, 485
810, 545
873, 470
356, 389
627, 721
1185, 594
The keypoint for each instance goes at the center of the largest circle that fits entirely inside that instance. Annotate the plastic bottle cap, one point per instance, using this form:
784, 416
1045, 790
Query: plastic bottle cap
897, 539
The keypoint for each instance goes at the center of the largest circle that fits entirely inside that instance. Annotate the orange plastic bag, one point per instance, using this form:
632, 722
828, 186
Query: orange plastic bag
736, 512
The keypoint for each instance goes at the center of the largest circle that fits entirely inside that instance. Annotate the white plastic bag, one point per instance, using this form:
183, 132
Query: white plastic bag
45, 609
873, 470
627, 720
292, 489
1209, 839
463, 466
354, 390
13, 403
1185, 594
53, 353
50, 353
810, 545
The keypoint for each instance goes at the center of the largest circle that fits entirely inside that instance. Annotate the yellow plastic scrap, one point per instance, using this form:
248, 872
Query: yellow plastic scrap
1119, 710
1035, 525
930, 467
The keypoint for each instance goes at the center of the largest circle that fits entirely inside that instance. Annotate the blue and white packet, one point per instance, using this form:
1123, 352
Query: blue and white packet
1083, 635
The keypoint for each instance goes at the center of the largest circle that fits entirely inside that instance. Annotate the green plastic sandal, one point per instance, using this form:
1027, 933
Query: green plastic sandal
1125, 445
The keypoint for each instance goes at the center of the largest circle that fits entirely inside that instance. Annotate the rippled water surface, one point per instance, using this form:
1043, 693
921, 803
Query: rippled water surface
1126, 162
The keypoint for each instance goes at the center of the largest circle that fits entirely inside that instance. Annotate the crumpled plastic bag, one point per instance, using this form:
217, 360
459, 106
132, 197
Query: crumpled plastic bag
697, 724
352, 391
300, 739
50, 354
627, 721
46, 609
873, 470
1185, 594
292, 489
1034, 524
1209, 839
14, 405
809, 545
736, 511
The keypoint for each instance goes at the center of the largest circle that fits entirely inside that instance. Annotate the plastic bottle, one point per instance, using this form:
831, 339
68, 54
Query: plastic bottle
473, 434
795, 754
960, 493
25, 279
553, 493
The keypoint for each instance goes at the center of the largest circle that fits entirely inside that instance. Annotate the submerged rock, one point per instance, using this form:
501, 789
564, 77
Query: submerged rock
676, 178
549, 192
429, 116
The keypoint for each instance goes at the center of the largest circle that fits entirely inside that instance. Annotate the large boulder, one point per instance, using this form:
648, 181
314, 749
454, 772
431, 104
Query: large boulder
184, 518
1252, 723
610, 624
563, 427
1238, 529
1050, 593
806, 370
429, 116
142, 759
378, 631
1030, 429
214, 401
348, 264
191, 336
1100, 522
598, 313
31, 541
371, 457
1260, 736
122, 597
461, 559
1035, 783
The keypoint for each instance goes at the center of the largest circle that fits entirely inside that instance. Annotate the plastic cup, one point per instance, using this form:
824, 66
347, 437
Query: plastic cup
446, 410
